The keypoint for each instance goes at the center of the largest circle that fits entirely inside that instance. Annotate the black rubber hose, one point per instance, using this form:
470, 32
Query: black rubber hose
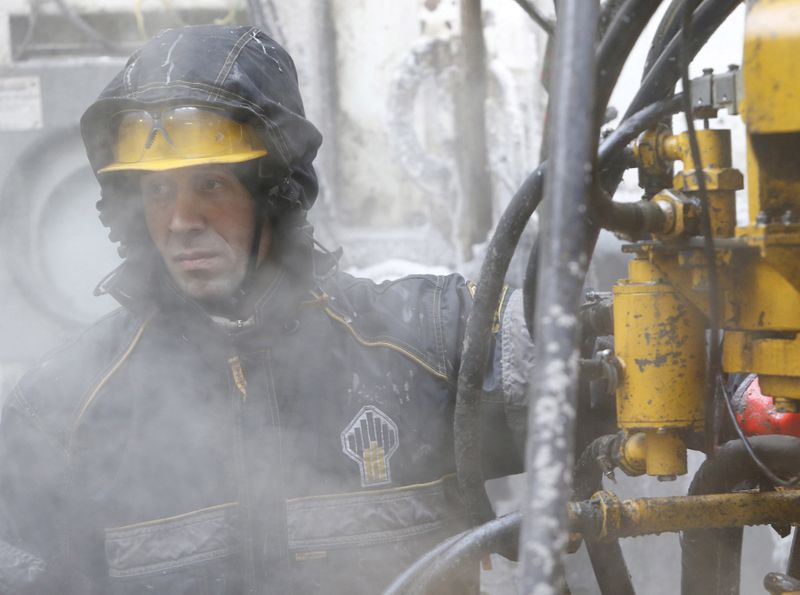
625, 26
634, 217
610, 149
710, 558
529, 285
478, 328
662, 77
588, 472
660, 80
607, 560
635, 124
403, 582
616, 45
793, 564
608, 10
537, 17
473, 546
668, 27
549, 451
495, 265
477, 336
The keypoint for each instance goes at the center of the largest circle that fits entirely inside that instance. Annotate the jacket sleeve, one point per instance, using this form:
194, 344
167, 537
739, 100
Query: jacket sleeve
508, 369
33, 507
504, 405
513, 362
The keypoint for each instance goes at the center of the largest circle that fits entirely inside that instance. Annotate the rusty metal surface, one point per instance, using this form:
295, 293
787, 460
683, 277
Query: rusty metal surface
607, 517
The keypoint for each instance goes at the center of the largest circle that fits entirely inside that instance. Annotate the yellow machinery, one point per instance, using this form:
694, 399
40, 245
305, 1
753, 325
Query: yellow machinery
661, 310
698, 285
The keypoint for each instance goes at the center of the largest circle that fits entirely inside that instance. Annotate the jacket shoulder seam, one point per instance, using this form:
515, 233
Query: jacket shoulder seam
109, 372
384, 342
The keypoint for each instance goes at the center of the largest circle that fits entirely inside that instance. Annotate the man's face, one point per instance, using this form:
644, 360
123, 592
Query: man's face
201, 219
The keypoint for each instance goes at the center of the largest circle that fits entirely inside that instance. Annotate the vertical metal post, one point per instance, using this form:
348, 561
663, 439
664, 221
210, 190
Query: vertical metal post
562, 270
327, 73
475, 214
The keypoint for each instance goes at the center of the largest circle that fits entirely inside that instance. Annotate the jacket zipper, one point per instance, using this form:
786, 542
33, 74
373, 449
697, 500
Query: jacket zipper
238, 376
240, 381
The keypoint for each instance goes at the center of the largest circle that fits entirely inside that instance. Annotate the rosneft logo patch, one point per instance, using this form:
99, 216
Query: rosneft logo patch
370, 440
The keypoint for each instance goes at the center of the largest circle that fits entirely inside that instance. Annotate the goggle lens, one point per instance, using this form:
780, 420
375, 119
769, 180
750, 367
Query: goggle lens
147, 139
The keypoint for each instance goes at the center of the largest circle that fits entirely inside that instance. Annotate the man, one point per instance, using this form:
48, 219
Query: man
251, 420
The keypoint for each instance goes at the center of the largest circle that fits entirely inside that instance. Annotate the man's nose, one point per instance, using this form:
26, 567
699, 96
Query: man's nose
187, 214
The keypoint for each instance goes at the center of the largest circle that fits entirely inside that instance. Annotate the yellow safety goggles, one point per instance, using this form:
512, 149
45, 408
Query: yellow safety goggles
180, 137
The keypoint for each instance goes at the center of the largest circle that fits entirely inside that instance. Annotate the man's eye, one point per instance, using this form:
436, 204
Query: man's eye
211, 184
156, 191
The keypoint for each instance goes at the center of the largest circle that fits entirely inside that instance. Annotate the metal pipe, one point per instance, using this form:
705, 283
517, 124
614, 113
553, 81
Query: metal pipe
475, 214
607, 517
550, 449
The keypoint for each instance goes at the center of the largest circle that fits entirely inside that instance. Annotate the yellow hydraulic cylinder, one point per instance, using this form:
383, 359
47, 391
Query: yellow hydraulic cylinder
659, 338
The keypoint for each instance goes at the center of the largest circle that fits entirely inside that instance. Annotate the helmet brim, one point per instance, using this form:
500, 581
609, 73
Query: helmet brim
177, 163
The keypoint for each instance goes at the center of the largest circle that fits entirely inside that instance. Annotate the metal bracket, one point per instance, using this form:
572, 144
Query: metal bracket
712, 92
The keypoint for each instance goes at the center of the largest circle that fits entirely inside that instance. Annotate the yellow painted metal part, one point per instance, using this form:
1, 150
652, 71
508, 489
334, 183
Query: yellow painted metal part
767, 297
771, 107
770, 67
721, 179
605, 516
632, 456
661, 309
775, 359
649, 148
759, 282
666, 453
659, 338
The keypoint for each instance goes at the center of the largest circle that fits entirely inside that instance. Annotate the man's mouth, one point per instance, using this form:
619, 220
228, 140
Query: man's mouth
196, 260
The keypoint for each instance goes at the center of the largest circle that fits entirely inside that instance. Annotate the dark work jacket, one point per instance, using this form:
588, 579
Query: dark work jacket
310, 451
